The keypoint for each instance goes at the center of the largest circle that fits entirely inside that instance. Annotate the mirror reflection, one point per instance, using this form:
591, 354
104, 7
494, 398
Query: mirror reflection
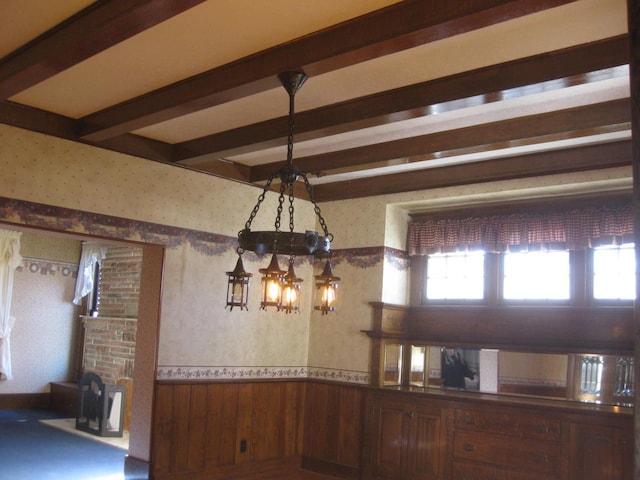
606, 379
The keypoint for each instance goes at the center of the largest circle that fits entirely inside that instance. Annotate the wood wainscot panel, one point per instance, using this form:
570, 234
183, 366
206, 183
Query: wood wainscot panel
334, 423
15, 401
213, 430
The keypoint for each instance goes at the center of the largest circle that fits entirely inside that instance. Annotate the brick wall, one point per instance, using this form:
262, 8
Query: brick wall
120, 283
110, 338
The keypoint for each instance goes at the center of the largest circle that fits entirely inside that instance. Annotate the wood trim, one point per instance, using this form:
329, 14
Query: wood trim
566, 329
555, 69
328, 468
94, 29
546, 163
542, 205
543, 329
395, 28
633, 17
15, 401
142, 402
60, 126
529, 130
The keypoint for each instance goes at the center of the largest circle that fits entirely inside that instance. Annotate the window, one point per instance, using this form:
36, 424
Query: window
532, 255
455, 276
614, 272
533, 277
541, 275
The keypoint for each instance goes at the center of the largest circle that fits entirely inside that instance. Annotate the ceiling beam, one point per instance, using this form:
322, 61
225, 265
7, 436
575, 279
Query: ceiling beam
398, 27
92, 30
56, 125
594, 157
579, 121
556, 69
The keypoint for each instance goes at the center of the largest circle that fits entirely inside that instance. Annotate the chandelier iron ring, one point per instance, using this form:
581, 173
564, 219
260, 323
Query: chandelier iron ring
285, 243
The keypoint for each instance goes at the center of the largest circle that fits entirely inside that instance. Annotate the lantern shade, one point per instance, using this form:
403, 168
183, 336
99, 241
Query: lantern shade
238, 286
291, 291
272, 279
326, 290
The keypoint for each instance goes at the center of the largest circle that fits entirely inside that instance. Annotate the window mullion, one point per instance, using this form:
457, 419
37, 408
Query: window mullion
493, 278
580, 272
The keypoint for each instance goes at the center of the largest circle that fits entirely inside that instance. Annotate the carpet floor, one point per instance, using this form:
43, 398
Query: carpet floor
33, 450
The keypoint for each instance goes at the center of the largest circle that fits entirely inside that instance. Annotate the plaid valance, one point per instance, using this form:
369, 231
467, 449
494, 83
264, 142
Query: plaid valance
572, 229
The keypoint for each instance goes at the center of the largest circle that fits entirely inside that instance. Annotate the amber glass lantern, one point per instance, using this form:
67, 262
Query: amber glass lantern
291, 291
326, 290
272, 279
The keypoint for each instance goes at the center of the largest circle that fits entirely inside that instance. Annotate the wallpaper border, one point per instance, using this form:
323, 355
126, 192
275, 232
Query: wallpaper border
181, 373
210, 244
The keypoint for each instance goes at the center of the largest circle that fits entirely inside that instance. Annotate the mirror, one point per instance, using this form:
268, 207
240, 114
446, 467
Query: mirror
606, 379
393, 364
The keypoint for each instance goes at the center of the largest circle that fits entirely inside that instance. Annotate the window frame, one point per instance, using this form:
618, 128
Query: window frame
453, 301
580, 288
534, 301
590, 261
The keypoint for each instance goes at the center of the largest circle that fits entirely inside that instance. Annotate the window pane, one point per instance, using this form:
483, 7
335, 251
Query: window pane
455, 276
614, 272
536, 276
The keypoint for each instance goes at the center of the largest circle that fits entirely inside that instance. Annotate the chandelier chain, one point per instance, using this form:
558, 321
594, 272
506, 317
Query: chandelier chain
291, 225
316, 208
280, 206
254, 212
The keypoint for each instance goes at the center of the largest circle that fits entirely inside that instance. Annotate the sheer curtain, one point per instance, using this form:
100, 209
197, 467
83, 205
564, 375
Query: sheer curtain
9, 259
92, 253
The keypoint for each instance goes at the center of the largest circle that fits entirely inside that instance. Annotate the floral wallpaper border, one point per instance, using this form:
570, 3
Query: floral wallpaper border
210, 244
257, 373
48, 267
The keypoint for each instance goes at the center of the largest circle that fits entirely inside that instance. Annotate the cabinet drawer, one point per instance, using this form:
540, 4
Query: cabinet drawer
526, 455
474, 471
509, 423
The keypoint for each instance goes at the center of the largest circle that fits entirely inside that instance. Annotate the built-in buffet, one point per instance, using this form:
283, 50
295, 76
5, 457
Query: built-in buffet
522, 405
432, 435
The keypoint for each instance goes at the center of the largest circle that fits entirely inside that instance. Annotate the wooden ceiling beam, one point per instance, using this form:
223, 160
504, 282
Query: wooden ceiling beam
513, 132
92, 30
585, 158
56, 125
521, 77
398, 27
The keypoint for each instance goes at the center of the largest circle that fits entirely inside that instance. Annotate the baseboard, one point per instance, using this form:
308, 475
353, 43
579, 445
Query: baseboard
136, 469
17, 401
237, 471
329, 468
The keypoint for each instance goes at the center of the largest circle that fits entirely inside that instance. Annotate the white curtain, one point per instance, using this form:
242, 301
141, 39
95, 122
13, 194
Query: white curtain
92, 253
9, 259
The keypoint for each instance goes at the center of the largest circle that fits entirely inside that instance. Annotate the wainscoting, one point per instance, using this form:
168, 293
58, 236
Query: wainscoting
223, 430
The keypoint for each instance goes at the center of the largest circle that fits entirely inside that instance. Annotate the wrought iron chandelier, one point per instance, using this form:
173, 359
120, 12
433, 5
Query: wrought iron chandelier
281, 288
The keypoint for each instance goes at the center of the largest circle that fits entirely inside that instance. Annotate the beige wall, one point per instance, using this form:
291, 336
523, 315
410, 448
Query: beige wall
198, 338
43, 338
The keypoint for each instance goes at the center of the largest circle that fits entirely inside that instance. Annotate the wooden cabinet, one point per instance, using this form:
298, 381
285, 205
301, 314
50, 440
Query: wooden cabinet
64, 398
601, 452
405, 440
422, 435
506, 443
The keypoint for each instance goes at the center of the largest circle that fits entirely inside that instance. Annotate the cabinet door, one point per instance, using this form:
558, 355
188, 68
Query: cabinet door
600, 453
424, 448
389, 439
